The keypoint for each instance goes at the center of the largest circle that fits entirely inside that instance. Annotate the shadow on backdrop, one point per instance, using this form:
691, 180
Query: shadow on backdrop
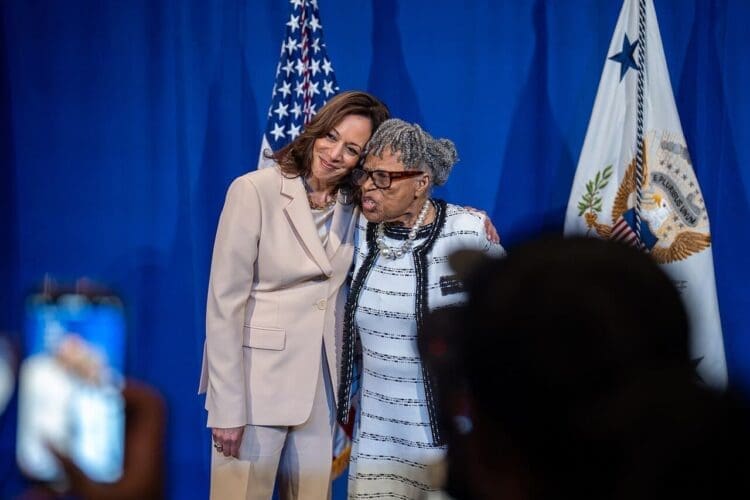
537, 170
10, 305
389, 77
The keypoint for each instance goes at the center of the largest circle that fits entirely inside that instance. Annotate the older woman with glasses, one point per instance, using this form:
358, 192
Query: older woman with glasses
401, 272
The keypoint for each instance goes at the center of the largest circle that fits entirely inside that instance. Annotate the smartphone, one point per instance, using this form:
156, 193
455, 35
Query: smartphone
70, 386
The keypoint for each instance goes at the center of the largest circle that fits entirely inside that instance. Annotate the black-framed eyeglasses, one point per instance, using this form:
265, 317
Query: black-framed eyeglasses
381, 178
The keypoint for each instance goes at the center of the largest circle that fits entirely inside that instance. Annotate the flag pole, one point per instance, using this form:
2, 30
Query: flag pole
639, 146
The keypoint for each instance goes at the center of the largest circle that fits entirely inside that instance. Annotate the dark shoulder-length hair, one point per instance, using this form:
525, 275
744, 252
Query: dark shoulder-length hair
295, 159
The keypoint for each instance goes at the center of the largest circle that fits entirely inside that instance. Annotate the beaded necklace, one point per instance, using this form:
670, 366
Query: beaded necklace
312, 203
403, 249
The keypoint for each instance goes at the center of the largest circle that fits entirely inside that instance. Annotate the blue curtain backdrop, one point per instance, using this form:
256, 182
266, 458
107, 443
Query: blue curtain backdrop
122, 124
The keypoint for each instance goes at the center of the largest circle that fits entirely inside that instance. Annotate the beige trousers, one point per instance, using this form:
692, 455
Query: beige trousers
298, 456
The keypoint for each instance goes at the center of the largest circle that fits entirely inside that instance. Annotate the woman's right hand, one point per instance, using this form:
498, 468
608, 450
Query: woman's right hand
227, 441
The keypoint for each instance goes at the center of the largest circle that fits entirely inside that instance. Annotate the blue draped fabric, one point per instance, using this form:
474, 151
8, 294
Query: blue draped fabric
122, 124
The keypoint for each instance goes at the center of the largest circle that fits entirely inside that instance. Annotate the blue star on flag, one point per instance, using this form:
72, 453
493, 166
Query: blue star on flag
625, 57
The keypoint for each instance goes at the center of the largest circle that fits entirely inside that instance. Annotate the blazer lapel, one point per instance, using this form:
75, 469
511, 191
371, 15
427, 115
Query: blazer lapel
341, 226
341, 243
300, 218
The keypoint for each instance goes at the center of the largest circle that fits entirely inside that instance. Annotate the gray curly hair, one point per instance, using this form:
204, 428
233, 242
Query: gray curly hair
416, 148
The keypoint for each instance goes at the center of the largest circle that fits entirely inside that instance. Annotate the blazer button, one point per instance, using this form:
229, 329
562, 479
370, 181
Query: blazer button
321, 304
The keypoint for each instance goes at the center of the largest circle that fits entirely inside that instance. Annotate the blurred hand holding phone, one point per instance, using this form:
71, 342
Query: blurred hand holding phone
70, 384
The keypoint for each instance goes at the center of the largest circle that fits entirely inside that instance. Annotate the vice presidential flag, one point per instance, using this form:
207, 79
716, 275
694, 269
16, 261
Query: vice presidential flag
304, 78
662, 210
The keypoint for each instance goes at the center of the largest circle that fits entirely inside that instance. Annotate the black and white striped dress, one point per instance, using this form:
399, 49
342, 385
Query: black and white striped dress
395, 442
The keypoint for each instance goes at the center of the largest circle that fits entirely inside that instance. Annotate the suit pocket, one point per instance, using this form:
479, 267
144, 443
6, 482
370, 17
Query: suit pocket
261, 337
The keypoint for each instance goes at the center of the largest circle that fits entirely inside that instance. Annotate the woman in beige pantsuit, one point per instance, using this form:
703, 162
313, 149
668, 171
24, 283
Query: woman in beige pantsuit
282, 251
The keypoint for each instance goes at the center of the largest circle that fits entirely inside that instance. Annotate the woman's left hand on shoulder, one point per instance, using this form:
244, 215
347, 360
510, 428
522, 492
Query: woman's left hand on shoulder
489, 227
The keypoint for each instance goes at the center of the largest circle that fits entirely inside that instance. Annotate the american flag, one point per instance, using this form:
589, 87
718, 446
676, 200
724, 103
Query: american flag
304, 78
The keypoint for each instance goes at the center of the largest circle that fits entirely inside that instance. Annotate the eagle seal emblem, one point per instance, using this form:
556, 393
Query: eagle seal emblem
674, 222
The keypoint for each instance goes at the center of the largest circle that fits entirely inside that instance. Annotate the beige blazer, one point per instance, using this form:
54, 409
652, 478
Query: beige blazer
274, 296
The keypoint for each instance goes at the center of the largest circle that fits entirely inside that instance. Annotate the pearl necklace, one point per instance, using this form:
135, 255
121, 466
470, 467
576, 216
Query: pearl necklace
397, 252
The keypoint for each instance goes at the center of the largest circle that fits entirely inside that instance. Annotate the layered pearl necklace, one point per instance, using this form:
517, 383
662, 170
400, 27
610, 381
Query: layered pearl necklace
398, 252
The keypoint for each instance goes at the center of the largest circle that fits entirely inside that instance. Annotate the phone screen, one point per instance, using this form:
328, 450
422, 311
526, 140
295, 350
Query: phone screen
70, 383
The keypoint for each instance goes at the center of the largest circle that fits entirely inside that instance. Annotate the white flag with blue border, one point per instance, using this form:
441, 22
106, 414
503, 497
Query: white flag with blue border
674, 226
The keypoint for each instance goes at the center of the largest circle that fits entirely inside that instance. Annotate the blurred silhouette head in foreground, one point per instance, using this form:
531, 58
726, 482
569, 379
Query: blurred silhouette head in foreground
567, 375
